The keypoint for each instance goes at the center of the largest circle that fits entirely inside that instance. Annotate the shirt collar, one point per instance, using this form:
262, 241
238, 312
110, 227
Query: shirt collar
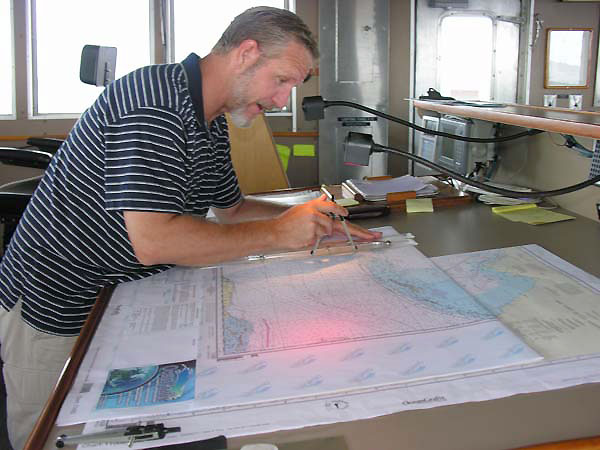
191, 65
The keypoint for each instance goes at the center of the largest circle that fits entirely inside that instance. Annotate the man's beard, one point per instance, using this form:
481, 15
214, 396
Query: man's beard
239, 119
241, 100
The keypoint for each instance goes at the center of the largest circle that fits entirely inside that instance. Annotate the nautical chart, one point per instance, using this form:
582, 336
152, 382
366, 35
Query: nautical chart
291, 304
551, 304
265, 332
402, 336
299, 328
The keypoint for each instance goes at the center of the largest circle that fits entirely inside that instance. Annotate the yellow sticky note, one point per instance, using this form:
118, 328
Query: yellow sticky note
415, 205
530, 214
513, 208
346, 202
540, 216
304, 150
284, 154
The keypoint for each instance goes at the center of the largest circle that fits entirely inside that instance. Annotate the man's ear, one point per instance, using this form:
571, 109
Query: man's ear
246, 54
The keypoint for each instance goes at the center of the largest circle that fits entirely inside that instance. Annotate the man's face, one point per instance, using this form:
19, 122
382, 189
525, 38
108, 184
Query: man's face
268, 84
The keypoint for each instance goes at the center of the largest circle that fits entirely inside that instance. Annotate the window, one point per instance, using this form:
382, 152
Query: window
6, 60
60, 29
199, 25
568, 55
54, 32
465, 57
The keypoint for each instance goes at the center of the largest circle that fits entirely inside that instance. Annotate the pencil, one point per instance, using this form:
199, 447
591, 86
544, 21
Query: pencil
325, 191
316, 246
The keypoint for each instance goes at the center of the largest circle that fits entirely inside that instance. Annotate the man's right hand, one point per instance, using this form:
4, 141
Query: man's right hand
300, 226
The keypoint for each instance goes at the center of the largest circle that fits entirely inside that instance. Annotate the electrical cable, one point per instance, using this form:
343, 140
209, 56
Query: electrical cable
496, 190
313, 108
427, 130
571, 142
554, 142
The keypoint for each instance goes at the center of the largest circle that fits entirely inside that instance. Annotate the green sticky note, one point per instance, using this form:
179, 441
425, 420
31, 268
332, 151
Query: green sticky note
415, 205
304, 150
346, 202
284, 154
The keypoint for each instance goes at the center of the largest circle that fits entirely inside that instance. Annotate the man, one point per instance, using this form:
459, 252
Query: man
126, 195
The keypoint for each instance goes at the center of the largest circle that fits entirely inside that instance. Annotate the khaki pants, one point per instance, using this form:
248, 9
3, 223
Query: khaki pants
33, 362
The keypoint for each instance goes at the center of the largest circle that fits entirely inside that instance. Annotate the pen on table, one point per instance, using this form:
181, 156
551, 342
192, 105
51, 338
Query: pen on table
127, 435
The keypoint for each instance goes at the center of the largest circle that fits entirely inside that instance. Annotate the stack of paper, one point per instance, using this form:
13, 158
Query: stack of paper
283, 198
288, 198
378, 189
491, 198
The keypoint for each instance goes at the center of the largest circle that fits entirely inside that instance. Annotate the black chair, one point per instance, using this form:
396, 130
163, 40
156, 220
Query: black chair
14, 196
97, 68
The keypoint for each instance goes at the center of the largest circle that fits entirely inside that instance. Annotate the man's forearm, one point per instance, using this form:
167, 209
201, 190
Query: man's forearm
188, 240
160, 238
250, 209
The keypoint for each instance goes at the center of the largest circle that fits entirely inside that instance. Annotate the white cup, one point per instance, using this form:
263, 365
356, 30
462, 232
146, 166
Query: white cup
259, 447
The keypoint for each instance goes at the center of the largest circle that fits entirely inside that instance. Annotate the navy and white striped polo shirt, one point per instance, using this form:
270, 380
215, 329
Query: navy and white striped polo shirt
143, 145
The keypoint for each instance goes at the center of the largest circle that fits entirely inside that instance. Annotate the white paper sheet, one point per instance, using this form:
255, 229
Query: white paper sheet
378, 189
297, 329
422, 394
489, 276
550, 303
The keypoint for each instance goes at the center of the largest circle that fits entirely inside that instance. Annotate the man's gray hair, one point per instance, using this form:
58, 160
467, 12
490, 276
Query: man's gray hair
271, 28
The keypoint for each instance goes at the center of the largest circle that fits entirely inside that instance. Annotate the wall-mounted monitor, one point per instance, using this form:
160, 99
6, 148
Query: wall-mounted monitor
453, 154
459, 156
427, 145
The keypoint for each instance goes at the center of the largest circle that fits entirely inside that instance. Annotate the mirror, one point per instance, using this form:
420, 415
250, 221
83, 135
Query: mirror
568, 56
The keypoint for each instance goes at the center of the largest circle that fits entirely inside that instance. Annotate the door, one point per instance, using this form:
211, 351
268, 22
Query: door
470, 50
354, 65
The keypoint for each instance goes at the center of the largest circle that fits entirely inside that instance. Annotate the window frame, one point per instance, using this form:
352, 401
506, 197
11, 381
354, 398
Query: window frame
469, 13
25, 120
13, 114
167, 14
32, 74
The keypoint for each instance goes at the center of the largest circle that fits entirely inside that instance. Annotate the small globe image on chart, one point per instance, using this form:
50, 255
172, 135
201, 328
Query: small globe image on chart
122, 380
